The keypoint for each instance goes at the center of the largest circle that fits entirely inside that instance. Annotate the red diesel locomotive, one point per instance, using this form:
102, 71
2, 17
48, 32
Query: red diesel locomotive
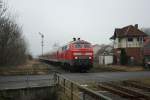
77, 55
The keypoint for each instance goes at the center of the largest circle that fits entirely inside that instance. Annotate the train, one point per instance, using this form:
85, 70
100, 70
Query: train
75, 56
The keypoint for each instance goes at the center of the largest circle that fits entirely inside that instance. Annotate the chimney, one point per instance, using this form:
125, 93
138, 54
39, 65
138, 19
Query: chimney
136, 26
74, 39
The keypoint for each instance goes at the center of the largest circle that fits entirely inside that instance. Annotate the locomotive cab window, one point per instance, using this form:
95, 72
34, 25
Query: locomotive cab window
87, 45
78, 45
64, 48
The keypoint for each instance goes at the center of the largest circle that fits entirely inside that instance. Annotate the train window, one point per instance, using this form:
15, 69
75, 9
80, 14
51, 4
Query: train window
78, 45
87, 45
64, 48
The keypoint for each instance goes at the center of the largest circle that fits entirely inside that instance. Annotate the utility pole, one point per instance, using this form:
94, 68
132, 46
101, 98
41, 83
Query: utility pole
42, 42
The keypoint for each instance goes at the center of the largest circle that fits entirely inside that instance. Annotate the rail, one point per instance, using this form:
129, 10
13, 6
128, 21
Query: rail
75, 91
125, 91
137, 85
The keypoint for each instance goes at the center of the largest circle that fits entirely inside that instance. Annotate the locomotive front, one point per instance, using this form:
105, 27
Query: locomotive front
82, 55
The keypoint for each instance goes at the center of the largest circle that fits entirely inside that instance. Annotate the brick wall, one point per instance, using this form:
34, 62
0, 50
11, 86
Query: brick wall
131, 52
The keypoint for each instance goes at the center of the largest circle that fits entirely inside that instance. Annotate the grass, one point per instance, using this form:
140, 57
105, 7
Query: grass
115, 68
31, 67
103, 68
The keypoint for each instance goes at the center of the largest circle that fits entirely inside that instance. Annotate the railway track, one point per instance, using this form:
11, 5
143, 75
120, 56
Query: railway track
137, 85
129, 90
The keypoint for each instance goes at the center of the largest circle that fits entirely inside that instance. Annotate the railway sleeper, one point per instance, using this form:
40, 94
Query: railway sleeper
127, 90
116, 91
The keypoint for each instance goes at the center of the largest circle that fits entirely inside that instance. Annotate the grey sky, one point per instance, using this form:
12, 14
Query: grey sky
92, 20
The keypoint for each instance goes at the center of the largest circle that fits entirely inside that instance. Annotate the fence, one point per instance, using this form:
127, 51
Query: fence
75, 91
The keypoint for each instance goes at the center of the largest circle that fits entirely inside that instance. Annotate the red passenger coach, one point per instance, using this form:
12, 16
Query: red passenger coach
75, 56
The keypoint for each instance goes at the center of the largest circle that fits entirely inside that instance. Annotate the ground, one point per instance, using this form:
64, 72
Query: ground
144, 88
44, 80
38, 68
89, 80
93, 85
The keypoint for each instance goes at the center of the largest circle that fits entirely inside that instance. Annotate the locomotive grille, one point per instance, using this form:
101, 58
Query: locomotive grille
82, 62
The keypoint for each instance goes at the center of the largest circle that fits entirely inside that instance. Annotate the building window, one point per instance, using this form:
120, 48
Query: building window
130, 39
119, 40
138, 39
141, 39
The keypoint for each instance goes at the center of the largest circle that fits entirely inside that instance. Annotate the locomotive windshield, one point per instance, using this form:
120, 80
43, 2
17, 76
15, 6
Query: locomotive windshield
87, 45
78, 45
82, 45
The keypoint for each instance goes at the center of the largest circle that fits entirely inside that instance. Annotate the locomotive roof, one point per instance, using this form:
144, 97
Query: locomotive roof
80, 41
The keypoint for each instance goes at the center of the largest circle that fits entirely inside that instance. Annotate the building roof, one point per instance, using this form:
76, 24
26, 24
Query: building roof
96, 45
146, 30
128, 31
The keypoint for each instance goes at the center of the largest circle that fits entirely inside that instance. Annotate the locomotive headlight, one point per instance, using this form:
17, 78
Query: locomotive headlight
75, 57
90, 57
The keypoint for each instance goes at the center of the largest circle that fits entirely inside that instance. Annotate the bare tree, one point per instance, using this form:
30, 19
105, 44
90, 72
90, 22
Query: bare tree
13, 49
146, 30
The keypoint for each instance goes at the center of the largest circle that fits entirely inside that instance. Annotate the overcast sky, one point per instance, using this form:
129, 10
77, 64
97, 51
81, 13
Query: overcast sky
60, 20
